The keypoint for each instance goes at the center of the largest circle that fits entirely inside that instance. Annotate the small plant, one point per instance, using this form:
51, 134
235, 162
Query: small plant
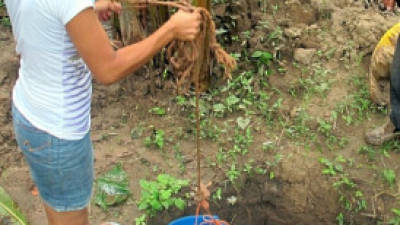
9, 210
157, 111
396, 219
369, 151
263, 59
5, 21
389, 176
340, 219
157, 139
160, 195
233, 174
325, 127
217, 196
141, 220
331, 168
231, 102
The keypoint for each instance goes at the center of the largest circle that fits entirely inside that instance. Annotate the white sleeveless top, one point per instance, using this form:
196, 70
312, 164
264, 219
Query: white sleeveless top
54, 87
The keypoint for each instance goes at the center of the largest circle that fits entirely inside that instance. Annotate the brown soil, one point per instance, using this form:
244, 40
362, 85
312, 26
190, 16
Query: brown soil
299, 193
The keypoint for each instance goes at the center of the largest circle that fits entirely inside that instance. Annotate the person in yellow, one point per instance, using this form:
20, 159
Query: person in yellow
384, 71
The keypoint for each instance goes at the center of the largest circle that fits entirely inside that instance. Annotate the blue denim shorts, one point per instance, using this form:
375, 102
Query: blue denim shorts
61, 169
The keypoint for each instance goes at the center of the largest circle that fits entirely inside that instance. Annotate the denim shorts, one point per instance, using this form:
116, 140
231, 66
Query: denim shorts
61, 169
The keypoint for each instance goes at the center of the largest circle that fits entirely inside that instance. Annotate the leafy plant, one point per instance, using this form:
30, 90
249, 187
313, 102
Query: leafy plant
141, 220
389, 176
396, 219
157, 139
160, 195
340, 219
369, 151
330, 168
157, 111
217, 195
233, 174
112, 188
9, 211
263, 59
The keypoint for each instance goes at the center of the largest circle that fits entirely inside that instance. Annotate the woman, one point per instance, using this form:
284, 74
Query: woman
62, 44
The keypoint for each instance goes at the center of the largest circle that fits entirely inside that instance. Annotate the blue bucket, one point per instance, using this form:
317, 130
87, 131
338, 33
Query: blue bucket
189, 220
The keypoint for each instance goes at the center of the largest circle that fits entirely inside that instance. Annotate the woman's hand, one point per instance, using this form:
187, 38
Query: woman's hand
186, 26
105, 8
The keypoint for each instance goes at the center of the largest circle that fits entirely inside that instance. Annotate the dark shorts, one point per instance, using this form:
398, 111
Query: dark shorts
61, 169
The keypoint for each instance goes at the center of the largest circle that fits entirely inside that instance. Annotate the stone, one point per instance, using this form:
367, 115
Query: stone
292, 32
304, 55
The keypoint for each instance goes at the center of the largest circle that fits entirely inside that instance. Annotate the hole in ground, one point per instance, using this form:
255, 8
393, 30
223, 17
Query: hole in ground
261, 201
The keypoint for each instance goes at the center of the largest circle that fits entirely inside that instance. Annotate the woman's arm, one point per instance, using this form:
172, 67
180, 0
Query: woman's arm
109, 66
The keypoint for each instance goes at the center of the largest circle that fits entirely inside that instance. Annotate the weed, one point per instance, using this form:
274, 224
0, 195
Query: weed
396, 219
299, 127
233, 173
217, 195
5, 21
242, 141
268, 145
221, 156
157, 139
331, 168
160, 195
389, 176
141, 220
263, 59
157, 111
209, 130
340, 219
248, 167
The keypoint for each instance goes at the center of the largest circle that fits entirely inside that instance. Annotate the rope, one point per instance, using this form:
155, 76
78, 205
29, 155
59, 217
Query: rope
182, 56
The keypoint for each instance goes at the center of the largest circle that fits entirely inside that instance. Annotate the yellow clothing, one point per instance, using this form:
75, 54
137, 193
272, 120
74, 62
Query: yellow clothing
381, 61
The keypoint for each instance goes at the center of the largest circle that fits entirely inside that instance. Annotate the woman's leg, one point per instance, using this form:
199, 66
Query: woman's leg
79, 217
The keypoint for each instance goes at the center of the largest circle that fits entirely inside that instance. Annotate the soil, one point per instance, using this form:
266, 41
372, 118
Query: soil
297, 192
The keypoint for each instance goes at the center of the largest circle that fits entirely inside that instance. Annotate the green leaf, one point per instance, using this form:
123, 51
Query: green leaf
219, 108
263, 57
156, 205
113, 187
390, 176
9, 210
180, 204
396, 211
158, 111
159, 140
165, 194
232, 100
257, 54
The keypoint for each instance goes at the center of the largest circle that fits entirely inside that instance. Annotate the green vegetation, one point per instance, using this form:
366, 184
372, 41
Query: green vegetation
156, 139
9, 211
112, 188
160, 195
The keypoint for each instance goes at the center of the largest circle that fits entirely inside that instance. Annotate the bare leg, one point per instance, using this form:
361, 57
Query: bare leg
67, 218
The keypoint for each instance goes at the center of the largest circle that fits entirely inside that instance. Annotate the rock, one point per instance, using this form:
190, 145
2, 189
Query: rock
303, 55
292, 32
